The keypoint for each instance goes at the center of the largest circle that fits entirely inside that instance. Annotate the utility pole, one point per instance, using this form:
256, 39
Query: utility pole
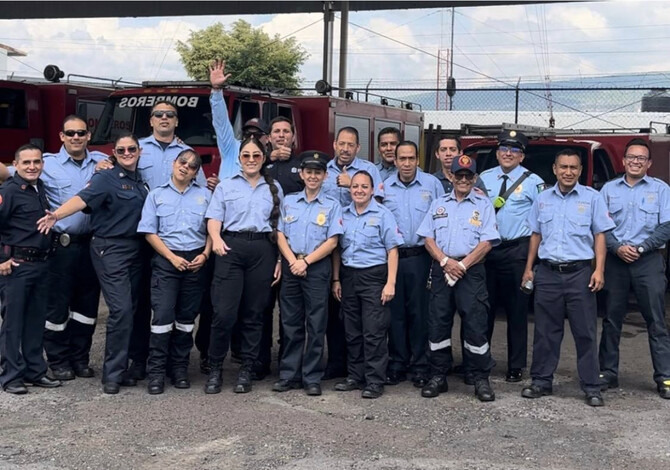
328, 19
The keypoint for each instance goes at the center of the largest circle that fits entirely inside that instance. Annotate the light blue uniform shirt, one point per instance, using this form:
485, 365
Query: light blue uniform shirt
63, 178
567, 223
409, 204
306, 225
512, 217
458, 227
177, 218
155, 164
368, 237
343, 195
229, 146
637, 210
385, 172
240, 207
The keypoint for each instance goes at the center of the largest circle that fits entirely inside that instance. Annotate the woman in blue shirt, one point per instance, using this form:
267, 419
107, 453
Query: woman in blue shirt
243, 216
369, 258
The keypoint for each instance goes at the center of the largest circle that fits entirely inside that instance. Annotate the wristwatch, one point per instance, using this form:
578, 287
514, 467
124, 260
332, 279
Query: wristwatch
640, 249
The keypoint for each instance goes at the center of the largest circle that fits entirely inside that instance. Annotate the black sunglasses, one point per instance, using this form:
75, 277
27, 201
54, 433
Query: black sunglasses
122, 150
160, 114
79, 132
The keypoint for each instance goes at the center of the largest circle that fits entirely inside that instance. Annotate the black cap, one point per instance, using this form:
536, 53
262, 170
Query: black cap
463, 163
314, 159
514, 138
253, 124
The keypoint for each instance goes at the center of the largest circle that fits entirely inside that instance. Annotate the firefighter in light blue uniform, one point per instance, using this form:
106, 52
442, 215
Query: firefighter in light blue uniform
567, 222
459, 230
309, 229
640, 207
173, 218
408, 195
346, 146
74, 292
505, 263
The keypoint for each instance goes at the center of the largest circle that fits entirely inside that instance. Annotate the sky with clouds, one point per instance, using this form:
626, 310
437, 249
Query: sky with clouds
394, 48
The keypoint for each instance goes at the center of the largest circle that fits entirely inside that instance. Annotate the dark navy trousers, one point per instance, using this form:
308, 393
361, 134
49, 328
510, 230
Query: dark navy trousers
175, 298
72, 305
23, 295
304, 306
118, 264
646, 277
559, 295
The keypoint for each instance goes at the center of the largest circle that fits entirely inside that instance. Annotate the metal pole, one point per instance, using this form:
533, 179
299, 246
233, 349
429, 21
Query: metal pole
344, 45
328, 42
451, 57
516, 102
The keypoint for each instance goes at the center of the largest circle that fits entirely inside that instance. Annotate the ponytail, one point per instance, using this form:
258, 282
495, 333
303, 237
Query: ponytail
274, 214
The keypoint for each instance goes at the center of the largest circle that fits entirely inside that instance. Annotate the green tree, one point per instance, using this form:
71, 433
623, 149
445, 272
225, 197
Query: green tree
252, 57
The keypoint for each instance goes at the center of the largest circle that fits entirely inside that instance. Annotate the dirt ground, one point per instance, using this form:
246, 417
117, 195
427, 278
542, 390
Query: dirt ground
78, 427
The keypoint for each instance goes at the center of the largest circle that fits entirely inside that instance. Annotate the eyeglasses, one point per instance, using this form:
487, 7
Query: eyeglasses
464, 176
505, 149
636, 158
72, 133
123, 150
251, 156
160, 114
186, 161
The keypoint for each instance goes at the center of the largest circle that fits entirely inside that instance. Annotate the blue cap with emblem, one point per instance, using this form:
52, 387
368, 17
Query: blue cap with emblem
513, 138
313, 159
463, 162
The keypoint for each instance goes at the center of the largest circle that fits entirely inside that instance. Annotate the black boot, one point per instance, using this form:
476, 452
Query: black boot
215, 379
243, 381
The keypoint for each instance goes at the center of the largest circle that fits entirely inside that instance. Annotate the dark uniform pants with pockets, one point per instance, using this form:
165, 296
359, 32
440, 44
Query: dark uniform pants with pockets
558, 295
646, 276
72, 306
118, 264
504, 270
408, 333
366, 323
241, 286
304, 305
175, 298
469, 297
23, 295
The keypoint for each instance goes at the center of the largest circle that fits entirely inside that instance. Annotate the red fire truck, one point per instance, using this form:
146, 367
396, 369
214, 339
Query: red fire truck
316, 118
33, 112
601, 150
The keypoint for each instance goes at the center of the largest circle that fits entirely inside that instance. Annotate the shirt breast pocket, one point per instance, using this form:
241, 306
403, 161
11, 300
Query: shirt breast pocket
234, 203
64, 190
581, 225
545, 219
615, 211
371, 236
167, 219
317, 232
650, 214
196, 216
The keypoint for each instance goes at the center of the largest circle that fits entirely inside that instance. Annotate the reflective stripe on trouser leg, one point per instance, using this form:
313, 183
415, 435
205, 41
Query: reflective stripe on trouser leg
78, 317
161, 329
441, 345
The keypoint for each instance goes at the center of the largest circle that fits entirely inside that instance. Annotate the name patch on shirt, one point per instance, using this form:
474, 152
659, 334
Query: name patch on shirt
582, 206
373, 221
127, 186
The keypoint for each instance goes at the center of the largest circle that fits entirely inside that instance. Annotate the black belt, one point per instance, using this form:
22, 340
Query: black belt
29, 254
513, 242
65, 239
247, 235
568, 267
411, 251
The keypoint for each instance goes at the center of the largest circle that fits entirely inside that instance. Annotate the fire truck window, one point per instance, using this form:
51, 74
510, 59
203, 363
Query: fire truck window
602, 168
413, 133
13, 113
285, 111
362, 125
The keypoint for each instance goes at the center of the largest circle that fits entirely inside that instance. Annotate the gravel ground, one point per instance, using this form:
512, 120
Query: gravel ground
78, 427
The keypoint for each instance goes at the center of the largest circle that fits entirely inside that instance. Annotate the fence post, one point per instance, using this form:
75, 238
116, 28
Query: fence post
516, 104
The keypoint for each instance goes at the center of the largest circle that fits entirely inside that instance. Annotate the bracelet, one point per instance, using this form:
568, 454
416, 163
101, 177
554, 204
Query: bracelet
306, 262
334, 281
205, 255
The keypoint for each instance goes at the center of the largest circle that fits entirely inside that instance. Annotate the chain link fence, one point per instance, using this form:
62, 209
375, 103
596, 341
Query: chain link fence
562, 108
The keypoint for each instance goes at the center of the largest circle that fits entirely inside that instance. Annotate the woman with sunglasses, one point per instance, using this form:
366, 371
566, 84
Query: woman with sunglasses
365, 284
114, 198
242, 222
173, 219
